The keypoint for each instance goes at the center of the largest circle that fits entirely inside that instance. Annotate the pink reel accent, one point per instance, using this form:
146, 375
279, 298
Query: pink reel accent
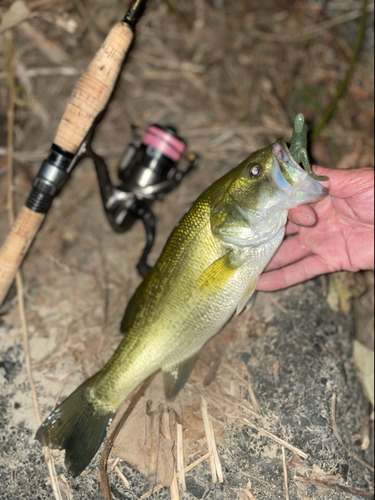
164, 142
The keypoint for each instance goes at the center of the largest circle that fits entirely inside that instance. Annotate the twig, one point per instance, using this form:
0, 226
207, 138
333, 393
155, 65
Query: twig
227, 400
336, 487
232, 370
257, 479
334, 353
48, 71
165, 423
51, 50
254, 401
208, 439
277, 304
175, 495
180, 456
9, 62
339, 439
290, 447
93, 29
216, 470
218, 467
310, 31
344, 84
197, 462
285, 474
20, 292
335, 5
104, 482
190, 467
122, 477
154, 417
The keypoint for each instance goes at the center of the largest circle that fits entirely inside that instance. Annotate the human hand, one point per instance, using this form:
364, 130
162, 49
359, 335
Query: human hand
335, 233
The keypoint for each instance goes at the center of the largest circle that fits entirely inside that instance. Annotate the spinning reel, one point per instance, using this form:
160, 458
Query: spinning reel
148, 170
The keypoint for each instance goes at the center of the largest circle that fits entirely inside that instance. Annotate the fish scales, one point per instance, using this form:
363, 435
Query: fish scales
207, 271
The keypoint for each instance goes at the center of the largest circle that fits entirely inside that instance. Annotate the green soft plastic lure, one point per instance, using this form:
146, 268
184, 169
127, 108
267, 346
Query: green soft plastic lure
298, 147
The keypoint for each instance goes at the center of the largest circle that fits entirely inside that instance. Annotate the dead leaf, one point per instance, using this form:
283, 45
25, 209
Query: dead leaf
341, 290
364, 361
242, 495
297, 465
246, 494
133, 444
320, 479
194, 426
16, 13
322, 476
364, 311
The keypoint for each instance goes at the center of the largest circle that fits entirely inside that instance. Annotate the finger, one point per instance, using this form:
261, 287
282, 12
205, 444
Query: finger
301, 271
290, 251
291, 228
302, 215
344, 183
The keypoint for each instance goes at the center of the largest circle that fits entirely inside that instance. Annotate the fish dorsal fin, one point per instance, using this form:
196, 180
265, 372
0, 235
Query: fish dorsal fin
134, 305
247, 298
174, 377
218, 273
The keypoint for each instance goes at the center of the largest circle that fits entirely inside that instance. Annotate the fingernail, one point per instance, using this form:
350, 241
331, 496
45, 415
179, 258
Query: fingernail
303, 219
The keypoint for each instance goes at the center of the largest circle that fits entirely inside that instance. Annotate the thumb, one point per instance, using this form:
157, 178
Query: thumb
303, 215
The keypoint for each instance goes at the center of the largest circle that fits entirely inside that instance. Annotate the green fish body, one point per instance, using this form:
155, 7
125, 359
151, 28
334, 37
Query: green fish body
207, 272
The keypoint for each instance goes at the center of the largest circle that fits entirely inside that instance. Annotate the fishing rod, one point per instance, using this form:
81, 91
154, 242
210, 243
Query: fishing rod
88, 100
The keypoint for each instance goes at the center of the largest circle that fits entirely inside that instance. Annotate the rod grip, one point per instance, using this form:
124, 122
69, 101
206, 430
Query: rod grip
94, 89
16, 246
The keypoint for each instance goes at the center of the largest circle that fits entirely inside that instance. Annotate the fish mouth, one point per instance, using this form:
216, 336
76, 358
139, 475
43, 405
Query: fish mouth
298, 186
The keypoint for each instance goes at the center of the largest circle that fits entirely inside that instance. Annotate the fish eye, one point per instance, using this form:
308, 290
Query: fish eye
255, 171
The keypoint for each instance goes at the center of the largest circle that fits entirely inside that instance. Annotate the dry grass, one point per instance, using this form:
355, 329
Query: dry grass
231, 76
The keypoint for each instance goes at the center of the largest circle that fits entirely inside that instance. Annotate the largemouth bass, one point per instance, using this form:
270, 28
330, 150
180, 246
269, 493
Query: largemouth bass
207, 272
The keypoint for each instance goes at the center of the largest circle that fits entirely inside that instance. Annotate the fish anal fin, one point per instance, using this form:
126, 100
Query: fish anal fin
247, 298
78, 426
174, 377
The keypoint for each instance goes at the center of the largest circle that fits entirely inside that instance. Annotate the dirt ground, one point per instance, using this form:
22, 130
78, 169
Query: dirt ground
230, 76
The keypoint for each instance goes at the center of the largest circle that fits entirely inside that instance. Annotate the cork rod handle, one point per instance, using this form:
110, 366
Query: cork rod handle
89, 98
16, 246
94, 89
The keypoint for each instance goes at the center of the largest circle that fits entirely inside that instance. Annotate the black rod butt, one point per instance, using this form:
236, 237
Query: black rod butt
134, 13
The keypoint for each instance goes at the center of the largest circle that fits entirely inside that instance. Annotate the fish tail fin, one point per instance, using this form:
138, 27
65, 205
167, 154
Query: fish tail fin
78, 425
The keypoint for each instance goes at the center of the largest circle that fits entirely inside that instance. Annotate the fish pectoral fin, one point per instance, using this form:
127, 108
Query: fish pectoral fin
218, 273
174, 377
247, 298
